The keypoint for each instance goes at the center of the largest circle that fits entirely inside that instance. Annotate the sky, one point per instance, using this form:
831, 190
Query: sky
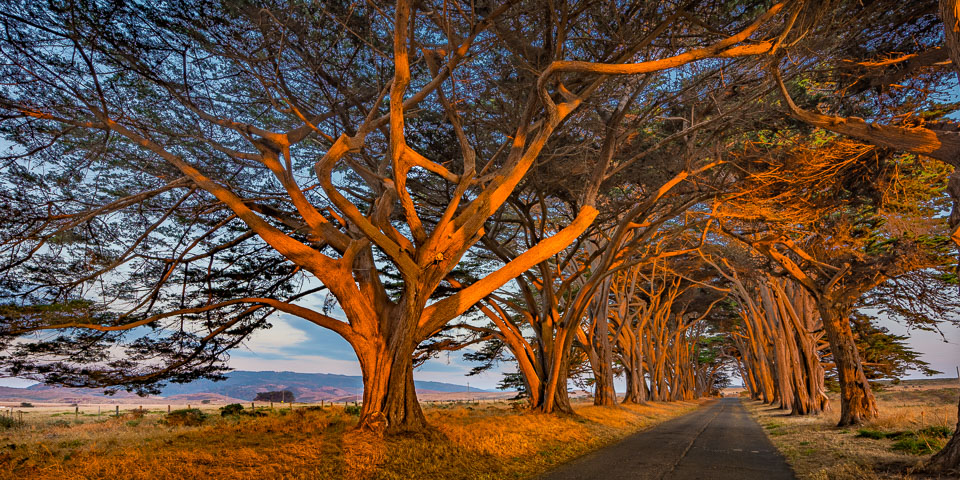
296, 345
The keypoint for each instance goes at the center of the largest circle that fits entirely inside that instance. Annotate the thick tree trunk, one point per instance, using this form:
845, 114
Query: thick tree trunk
798, 308
777, 335
632, 394
636, 383
856, 399
947, 460
604, 393
555, 360
389, 397
559, 401
390, 402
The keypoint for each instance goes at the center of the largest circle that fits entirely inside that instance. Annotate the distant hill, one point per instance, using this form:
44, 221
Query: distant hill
242, 385
308, 387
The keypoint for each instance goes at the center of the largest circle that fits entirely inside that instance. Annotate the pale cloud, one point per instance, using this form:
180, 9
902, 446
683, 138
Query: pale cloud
16, 382
295, 363
277, 340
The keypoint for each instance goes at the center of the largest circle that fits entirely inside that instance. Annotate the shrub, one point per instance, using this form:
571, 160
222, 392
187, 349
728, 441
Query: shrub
278, 396
188, 417
205, 402
918, 445
26, 405
351, 409
232, 409
874, 434
7, 422
878, 435
937, 431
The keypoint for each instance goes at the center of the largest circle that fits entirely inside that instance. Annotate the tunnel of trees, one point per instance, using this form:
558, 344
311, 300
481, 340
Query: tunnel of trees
673, 193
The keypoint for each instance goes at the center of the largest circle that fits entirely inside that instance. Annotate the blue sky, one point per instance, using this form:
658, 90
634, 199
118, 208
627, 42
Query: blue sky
297, 345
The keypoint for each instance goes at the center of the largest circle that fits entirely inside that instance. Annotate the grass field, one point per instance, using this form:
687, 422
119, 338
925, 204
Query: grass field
915, 420
490, 440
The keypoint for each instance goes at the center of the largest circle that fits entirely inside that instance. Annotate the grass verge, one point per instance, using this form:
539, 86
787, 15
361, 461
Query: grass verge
912, 425
480, 441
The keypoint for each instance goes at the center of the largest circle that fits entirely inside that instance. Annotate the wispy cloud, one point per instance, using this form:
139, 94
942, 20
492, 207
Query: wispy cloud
295, 363
277, 340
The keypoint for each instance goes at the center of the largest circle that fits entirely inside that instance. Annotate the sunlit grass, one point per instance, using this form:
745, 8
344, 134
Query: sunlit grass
891, 446
475, 441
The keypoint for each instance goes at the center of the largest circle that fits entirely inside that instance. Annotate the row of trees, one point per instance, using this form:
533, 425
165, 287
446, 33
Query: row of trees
661, 189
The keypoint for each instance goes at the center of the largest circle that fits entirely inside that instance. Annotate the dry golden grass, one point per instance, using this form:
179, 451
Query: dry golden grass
817, 450
477, 441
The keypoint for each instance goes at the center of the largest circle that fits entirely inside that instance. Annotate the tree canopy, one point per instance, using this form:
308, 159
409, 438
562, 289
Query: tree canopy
672, 192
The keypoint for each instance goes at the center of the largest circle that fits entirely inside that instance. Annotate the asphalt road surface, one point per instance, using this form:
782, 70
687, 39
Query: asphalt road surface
717, 441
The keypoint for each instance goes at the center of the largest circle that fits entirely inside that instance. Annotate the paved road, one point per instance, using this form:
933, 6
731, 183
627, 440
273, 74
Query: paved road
716, 442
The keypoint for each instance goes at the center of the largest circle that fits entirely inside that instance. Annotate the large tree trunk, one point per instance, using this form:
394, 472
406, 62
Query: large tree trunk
948, 459
636, 383
604, 393
798, 308
555, 359
390, 402
777, 336
389, 396
856, 399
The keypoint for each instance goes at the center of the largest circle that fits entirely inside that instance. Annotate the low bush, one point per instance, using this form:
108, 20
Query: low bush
874, 434
879, 435
26, 405
922, 442
231, 409
188, 417
918, 445
937, 431
7, 422
351, 409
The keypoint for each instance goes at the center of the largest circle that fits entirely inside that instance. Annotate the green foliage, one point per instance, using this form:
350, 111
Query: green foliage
918, 445
188, 417
514, 381
351, 409
885, 355
275, 396
231, 409
7, 422
937, 431
26, 405
921, 442
235, 409
880, 435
